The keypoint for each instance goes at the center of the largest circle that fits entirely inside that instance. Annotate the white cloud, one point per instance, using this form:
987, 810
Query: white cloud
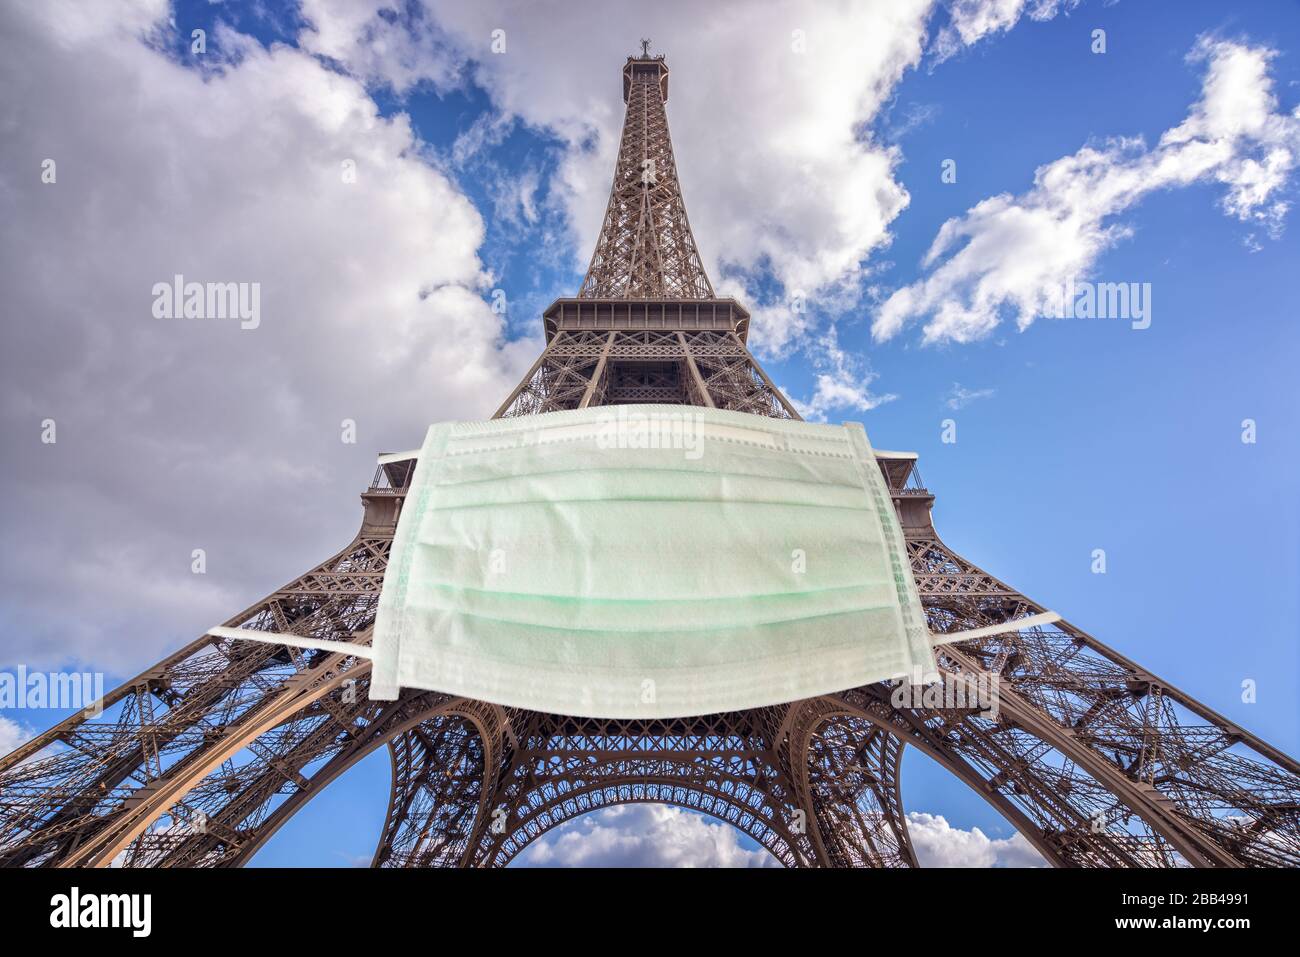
174, 434
643, 835
1016, 253
13, 735
658, 835
960, 397
938, 844
398, 50
842, 380
972, 20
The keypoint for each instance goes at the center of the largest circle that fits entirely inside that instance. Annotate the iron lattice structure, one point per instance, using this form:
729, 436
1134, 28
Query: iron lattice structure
200, 759
646, 250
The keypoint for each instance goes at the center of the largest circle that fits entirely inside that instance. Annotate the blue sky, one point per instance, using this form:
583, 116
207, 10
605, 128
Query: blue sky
1073, 434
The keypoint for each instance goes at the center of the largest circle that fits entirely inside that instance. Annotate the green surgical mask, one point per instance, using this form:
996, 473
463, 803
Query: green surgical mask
646, 562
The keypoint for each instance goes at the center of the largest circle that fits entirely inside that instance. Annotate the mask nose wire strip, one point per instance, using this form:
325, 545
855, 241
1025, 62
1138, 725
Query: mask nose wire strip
295, 641
361, 651
952, 637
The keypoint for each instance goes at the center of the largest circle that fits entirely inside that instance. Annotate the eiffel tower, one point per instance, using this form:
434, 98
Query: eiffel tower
199, 760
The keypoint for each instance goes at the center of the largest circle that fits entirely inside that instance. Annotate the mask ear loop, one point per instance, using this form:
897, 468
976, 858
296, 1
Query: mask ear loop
952, 637
361, 651
293, 641
299, 641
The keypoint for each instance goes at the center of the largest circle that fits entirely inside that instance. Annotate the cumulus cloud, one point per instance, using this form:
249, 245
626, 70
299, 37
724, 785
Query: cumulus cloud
842, 381
13, 735
972, 20
657, 835
174, 435
938, 844
380, 41
644, 835
1016, 253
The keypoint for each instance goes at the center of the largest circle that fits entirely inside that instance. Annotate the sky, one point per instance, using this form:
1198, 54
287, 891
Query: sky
894, 189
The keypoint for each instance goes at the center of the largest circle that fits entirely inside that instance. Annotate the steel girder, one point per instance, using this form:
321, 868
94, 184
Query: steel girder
581, 369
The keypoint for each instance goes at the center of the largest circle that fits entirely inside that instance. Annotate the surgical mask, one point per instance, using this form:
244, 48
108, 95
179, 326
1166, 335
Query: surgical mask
644, 562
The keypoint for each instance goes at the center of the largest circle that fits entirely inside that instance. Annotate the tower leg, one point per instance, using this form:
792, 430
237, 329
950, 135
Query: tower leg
192, 751
1103, 763
852, 777
442, 771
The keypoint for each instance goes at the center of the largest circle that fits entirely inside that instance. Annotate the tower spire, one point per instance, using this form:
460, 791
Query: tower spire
645, 249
